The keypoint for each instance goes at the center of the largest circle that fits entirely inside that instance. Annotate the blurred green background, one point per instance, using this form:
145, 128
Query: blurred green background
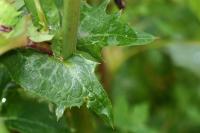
156, 88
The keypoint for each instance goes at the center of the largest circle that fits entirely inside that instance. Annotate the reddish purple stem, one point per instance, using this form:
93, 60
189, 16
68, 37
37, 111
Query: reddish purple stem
40, 48
5, 28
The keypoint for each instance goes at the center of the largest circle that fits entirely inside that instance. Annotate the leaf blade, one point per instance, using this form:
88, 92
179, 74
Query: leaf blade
98, 29
9, 15
30, 115
67, 84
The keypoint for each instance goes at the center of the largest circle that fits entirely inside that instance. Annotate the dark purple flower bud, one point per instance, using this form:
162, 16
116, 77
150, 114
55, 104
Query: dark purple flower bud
120, 4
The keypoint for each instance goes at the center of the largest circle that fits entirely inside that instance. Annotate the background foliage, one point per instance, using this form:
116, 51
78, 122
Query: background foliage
155, 88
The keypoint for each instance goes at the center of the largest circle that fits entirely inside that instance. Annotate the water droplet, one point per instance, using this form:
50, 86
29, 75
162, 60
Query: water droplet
3, 100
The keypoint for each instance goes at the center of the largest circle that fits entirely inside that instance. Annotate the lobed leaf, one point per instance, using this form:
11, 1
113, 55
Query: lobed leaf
98, 29
67, 84
8, 14
27, 115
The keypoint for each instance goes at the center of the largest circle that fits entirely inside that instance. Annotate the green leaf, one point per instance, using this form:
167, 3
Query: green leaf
25, 26
57, 44
67, 84
19, 29
8, 14
3, 128
194, 5
19, 4
30, 5
4, 77
131, 118
25, 114
52, 14
11, 43
4, 80
143, 38
16, 38
98, 29
44, 13
37, 36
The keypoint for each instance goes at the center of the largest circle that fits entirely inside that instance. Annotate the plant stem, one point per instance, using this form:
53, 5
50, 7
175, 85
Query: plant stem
41, 15
85, 124
70, 26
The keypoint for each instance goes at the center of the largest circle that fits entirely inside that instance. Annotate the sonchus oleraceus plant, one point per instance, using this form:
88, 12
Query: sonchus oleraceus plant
49, 50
